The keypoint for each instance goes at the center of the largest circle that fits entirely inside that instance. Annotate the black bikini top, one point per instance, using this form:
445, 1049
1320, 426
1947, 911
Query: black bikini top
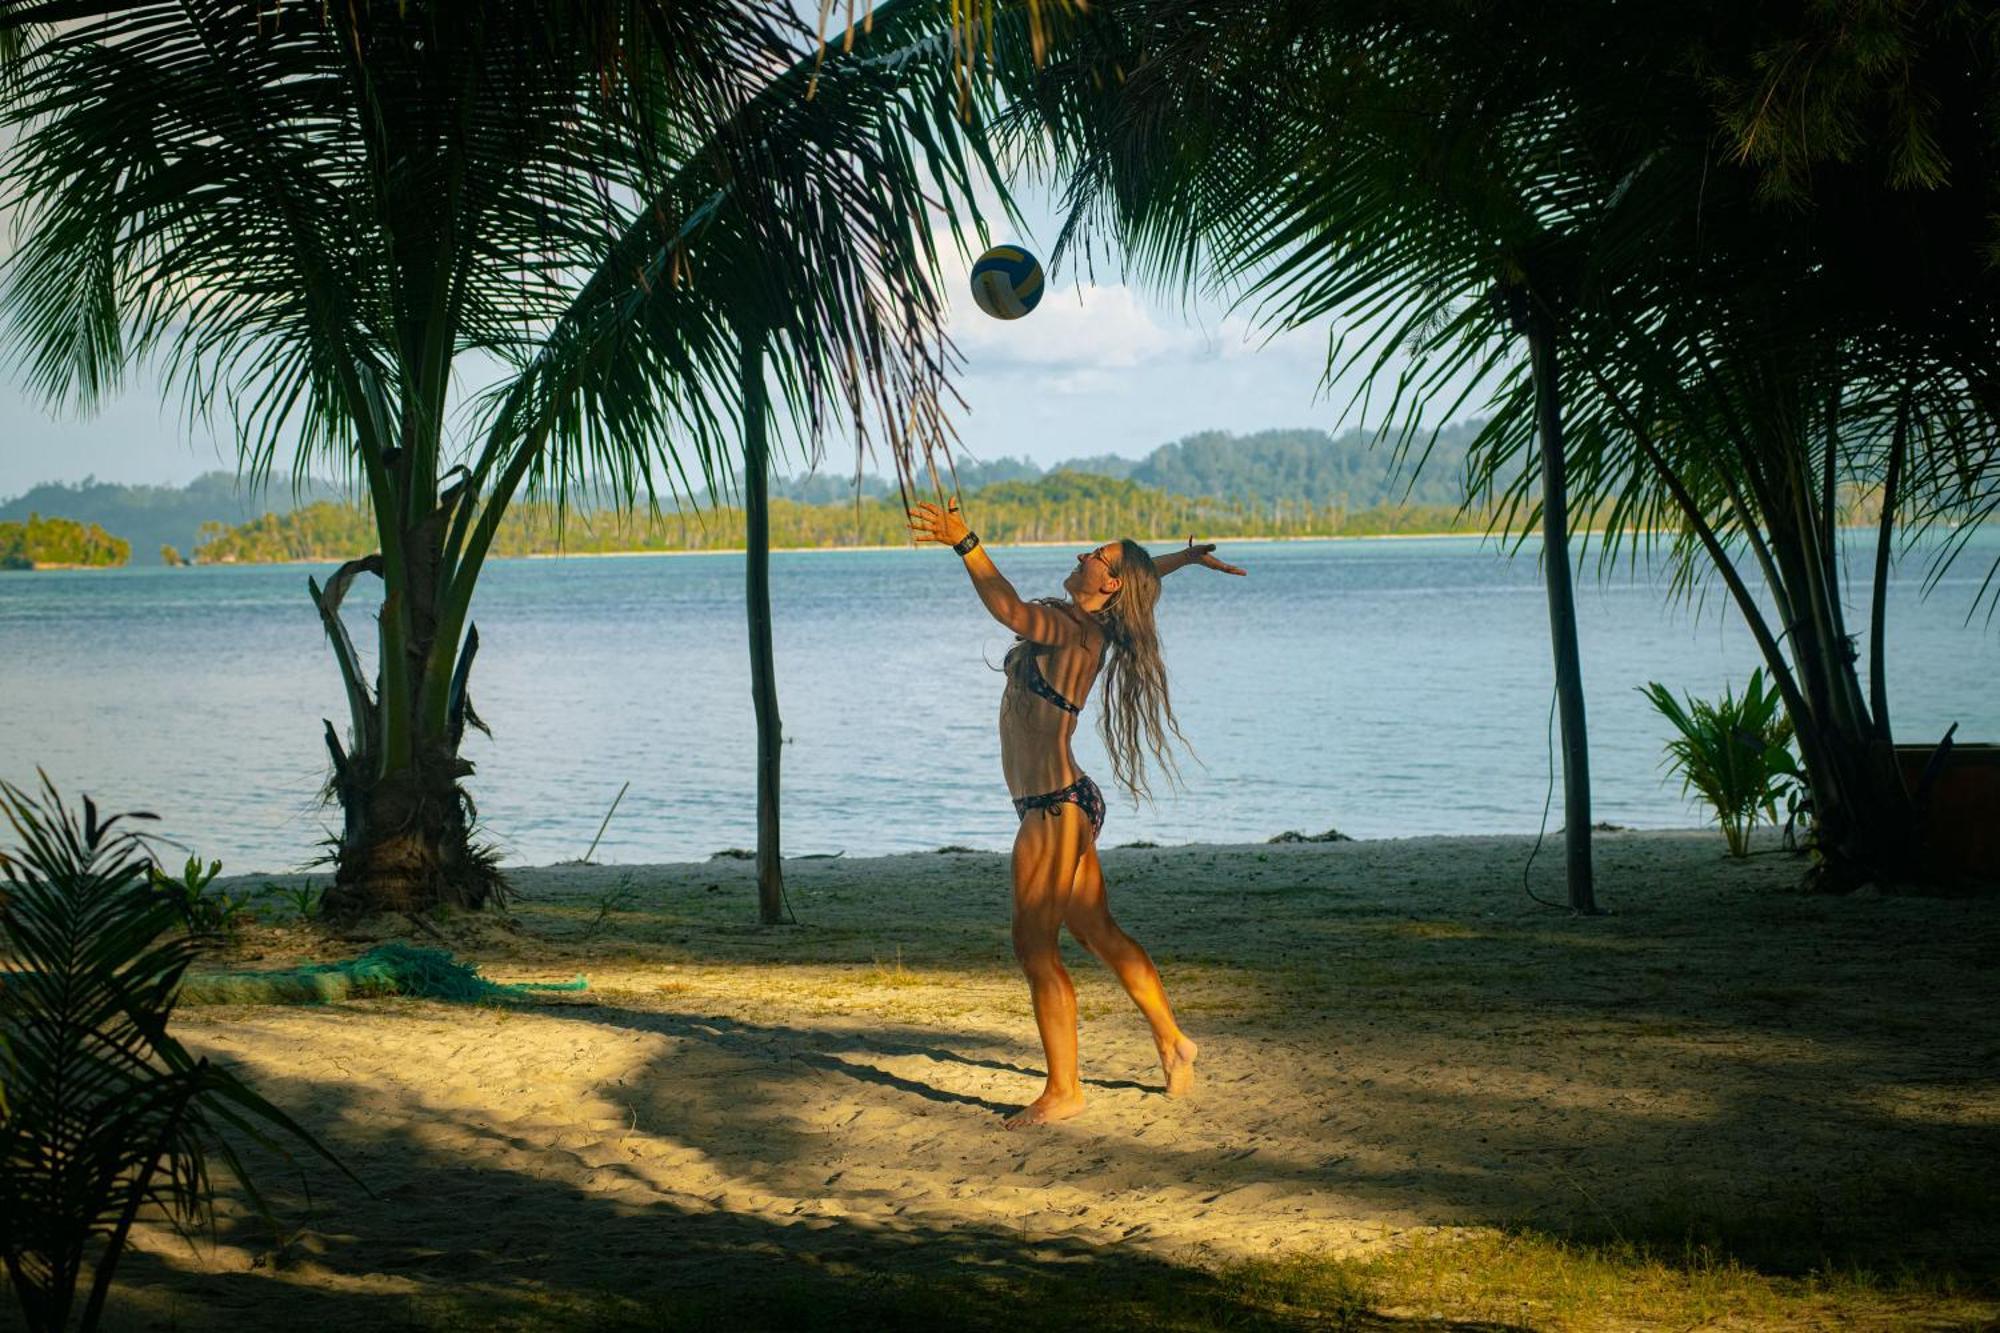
1037, 683
1031, 675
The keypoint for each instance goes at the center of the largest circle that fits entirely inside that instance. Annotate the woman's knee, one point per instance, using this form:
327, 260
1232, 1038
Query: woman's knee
1036, 947
1092, 935
1096, 931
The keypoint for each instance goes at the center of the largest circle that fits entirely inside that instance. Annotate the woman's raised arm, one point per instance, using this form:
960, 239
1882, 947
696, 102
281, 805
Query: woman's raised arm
1034, 622
1193, 554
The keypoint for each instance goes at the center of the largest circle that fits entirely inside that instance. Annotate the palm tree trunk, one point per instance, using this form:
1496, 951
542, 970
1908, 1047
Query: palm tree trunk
763, 676
1562, 617
406, 840
1878, 605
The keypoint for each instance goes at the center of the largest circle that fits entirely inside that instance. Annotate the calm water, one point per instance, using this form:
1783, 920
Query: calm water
1387, 688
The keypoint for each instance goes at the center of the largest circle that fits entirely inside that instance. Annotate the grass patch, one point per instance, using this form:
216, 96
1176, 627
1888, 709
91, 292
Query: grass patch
1776, 997
1883, 1251
1662, 1028
1900, 1224
1436, 930
895, 974
1512, 1279
1532, 1279
1146, 1295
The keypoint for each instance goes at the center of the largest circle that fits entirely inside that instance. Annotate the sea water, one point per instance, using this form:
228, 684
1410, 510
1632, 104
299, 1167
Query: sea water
1387, 688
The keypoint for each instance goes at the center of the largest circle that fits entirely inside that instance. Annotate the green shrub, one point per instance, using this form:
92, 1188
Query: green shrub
204, 914
106, 1113
1734, 752
303, 899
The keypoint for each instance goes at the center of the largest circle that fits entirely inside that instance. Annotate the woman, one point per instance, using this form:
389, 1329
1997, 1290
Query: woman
1057, 879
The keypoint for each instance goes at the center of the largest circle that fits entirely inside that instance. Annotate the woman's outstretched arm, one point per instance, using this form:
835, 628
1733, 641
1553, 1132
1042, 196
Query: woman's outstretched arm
1194, 554
1031, 621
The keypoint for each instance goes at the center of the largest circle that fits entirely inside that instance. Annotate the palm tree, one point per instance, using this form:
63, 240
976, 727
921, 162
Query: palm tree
321, 217
763, 659
1324, 160
1793, 301
1692, 212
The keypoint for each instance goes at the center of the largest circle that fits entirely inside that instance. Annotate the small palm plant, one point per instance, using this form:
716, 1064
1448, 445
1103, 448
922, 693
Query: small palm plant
105, 1112
1734, 752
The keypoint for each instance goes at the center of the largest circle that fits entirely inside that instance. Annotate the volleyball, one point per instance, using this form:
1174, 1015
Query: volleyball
1007, 282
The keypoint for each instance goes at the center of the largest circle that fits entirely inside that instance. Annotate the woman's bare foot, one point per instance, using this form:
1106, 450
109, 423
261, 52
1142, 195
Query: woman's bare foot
1047, 1109
1178, 1062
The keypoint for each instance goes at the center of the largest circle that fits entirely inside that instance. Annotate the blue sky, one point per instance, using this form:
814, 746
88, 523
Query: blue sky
1097, 368
1100, 367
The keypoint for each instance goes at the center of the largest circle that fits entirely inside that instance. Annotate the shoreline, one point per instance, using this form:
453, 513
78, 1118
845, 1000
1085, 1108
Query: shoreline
808, 550
997, 546
41, 566
795, 550
1152, 853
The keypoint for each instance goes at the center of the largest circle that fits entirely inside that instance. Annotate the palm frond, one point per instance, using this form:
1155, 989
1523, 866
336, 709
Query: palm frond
106, 1112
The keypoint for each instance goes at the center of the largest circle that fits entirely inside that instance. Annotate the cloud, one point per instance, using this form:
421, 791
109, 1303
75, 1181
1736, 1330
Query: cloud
1075, 382
1078, 328
1237, 338
1084, 327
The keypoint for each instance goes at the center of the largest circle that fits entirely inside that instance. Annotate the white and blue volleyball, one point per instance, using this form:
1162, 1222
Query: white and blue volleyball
1007, 282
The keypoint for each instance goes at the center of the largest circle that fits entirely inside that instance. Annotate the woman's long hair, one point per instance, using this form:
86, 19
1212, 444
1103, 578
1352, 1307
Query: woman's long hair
1137, 716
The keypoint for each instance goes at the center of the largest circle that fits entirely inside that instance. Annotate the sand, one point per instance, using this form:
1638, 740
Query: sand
1395, 1039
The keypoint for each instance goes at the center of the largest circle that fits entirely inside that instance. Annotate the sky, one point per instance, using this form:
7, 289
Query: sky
1096, 368
1100, 367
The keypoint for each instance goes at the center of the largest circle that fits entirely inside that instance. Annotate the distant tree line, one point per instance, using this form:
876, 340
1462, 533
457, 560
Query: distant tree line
42, 542
1349, 472
154, 517
1279, 483
1061, 507
322, 530
1353, 470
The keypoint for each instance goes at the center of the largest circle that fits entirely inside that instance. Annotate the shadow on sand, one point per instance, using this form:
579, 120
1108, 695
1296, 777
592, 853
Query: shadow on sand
368, 1261
1714, 1072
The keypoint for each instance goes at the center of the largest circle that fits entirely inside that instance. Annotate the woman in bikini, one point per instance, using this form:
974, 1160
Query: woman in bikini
1063, 643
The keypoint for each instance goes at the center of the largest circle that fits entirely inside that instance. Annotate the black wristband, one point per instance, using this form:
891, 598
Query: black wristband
964, 545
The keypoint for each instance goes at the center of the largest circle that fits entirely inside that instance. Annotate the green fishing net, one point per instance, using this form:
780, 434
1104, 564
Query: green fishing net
388, 969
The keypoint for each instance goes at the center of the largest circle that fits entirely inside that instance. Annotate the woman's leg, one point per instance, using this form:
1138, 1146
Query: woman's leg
1045, 856
1089, 920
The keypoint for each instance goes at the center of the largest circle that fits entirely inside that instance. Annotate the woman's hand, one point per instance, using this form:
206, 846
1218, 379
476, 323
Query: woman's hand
944, 526
1203, 553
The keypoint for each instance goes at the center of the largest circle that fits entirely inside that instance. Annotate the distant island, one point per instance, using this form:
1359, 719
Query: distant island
1277, 483
59, 543
150, 518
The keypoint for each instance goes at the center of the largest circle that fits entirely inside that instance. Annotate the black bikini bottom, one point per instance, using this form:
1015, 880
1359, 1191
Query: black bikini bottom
1082, 793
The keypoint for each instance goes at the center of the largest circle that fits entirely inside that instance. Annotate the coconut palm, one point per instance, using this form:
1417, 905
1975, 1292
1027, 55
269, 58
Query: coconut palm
1733, 752
321, 219
1318, 160
1749, 255
1807, 312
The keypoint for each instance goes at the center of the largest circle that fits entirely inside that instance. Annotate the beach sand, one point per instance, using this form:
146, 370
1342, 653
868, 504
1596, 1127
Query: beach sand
1396, 1041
